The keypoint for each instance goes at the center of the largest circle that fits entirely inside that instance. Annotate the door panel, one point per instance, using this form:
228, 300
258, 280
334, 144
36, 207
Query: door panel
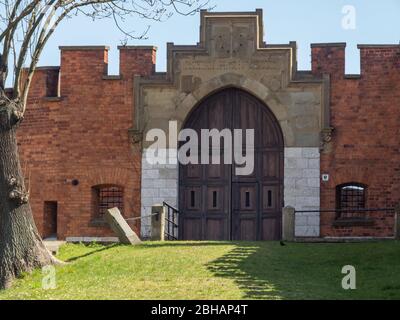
247, 230
217, 199
245, 211
193, 171
269, 229
193, 197
216, 229
270, 198
192, 228
215, 202
270, 163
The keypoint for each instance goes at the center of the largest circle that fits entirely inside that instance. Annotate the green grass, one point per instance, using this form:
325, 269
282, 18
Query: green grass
211, 270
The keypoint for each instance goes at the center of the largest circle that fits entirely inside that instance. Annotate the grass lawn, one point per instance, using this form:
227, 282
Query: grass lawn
212, 270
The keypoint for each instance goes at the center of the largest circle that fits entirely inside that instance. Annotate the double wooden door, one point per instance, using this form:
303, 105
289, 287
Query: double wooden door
215, 202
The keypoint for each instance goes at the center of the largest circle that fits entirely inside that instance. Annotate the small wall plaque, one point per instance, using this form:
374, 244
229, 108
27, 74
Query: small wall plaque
325, 177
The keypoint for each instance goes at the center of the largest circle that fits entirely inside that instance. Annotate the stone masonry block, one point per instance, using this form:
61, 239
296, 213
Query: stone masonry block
293, 152
310, 153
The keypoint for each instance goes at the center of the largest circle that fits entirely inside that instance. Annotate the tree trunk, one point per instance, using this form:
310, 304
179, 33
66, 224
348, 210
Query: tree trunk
21, 247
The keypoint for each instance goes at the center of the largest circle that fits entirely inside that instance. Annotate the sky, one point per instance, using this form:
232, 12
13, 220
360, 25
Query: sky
305, 21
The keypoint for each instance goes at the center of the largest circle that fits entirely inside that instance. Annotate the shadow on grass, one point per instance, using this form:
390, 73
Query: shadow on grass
149, 244
247, 265
92, 252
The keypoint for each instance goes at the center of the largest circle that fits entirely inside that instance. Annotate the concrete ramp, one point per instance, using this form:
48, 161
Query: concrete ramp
121, 228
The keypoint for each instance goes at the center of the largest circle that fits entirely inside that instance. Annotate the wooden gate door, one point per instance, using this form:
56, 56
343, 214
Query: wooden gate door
217, 204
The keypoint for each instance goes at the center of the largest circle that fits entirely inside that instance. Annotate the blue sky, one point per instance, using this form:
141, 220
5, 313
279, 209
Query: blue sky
305, 22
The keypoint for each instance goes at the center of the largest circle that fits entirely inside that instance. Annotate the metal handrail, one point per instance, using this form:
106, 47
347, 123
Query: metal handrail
172, 222
171, 225
347, 210
356, 215
169, 206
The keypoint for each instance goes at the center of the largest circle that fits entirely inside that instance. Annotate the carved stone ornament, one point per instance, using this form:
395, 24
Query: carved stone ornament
326, 137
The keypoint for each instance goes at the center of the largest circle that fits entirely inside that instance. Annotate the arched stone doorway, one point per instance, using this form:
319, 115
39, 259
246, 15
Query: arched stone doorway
214, 202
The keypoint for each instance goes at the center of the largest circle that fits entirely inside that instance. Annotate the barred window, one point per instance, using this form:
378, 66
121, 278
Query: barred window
351, 196
107, 197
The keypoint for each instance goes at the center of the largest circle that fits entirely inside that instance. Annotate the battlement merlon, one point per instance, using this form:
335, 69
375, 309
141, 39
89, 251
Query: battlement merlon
329, 58
93, 60
87, 65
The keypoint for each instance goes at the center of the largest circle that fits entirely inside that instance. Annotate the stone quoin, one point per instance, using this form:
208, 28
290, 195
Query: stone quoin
83, 142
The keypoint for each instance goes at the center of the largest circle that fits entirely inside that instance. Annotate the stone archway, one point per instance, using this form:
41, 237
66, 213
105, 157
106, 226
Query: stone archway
217, 204
255, 88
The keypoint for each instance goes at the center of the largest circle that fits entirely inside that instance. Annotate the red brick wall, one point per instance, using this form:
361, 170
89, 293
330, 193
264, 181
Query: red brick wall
365, 112
83, 135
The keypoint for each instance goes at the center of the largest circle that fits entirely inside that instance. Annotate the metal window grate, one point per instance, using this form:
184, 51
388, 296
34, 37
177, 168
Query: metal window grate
110, 197
351, 197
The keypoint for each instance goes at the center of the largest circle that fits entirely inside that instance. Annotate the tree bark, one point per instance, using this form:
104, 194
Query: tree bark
21, 247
